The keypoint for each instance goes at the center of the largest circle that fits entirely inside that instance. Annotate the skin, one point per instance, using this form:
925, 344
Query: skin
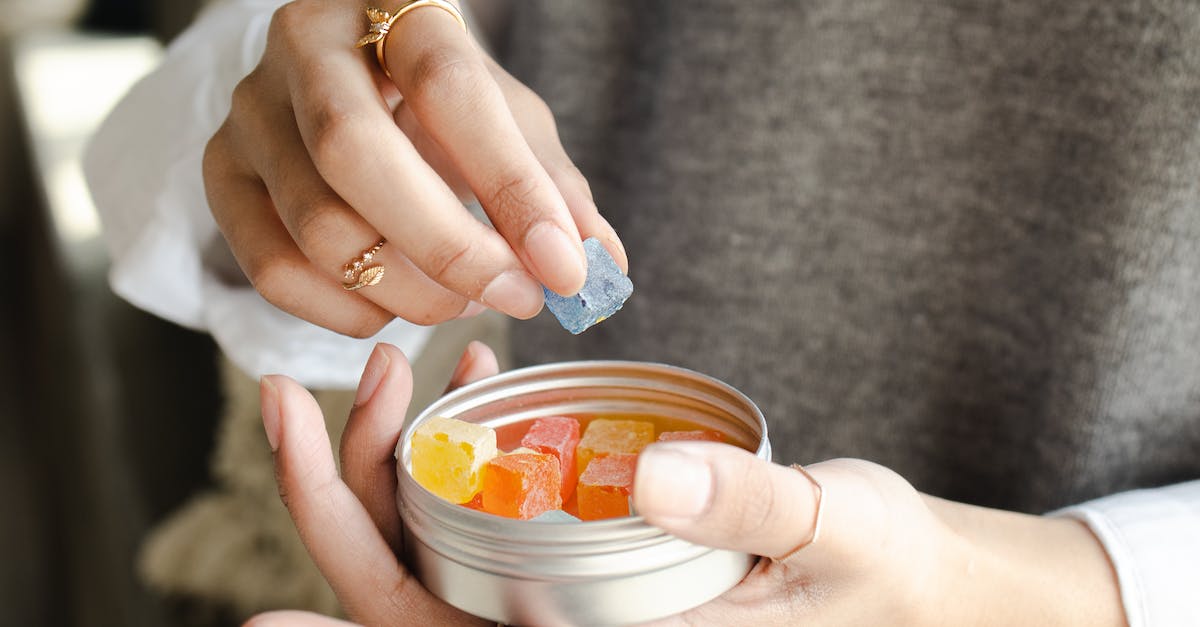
886, 554
322, 155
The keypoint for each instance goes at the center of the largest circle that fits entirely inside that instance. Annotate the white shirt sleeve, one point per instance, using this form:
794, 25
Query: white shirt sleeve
1153, 539
144, 170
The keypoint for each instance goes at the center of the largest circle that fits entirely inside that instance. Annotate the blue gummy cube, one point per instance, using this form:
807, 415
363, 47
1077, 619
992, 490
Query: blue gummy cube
555, 516
603, 293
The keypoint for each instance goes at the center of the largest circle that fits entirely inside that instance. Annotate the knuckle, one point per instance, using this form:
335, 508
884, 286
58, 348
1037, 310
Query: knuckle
318, 219
333, 130
246, 95
512, 199
447, 261
755, 497
290, 19
273, 277
442, 74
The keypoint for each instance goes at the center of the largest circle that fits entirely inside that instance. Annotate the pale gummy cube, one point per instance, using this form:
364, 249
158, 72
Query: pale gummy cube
448, 456
603, 293
555, 516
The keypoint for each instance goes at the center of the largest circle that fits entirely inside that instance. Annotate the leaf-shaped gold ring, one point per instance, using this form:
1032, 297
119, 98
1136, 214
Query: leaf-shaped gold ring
370, 276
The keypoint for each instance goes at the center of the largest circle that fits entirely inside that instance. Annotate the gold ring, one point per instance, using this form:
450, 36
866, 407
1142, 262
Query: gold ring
360, 273
381, 24
816, 525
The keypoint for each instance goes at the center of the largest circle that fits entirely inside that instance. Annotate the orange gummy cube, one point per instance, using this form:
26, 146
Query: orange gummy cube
522, 485
609, 437
557, 436
605, 485
702, 435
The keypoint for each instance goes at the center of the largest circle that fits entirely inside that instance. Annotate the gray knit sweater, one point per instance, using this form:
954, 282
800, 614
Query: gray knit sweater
961, 239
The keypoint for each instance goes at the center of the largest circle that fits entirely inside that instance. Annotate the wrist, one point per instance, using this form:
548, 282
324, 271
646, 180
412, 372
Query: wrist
1003, 568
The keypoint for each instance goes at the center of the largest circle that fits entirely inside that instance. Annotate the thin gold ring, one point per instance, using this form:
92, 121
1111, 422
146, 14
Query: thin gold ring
359, 273
816, 525
381, 24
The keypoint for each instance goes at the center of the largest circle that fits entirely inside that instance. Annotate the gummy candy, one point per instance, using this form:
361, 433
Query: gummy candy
522, 485
557, 436
555, 516
604, 437
704, 435
604, 486
448, 455
604, 291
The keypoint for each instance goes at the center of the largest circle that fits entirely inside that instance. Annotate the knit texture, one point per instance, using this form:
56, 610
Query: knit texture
961, 239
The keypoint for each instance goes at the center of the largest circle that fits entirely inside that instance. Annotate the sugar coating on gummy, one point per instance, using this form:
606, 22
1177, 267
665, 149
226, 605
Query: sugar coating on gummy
703, 435
605, 486
604, 436
448, 456
521, 485
603, 293
557, 436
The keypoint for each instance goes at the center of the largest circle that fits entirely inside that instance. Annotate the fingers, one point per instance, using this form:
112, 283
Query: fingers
372, 431
330, 234
270, 259
446, 81
358, 149
477, 362
335, 527
724, 497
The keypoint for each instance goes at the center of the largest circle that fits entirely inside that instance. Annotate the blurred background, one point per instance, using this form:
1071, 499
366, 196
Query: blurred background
106, 413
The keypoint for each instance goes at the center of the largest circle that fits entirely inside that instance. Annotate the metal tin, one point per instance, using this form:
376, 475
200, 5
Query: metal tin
606, 572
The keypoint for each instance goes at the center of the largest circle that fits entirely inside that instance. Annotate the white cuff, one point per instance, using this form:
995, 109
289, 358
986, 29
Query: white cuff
1153, 540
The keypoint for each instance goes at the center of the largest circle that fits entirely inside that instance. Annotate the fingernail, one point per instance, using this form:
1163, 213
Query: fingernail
377, 365
558, 260
672, 483
472, 309
514, 293
269, 395
617, 250
464, 363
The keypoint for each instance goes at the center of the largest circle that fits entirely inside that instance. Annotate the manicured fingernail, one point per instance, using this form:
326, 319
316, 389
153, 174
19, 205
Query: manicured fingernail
514, 293
672, 483
558, 260
269, 395
472, 309
377, 365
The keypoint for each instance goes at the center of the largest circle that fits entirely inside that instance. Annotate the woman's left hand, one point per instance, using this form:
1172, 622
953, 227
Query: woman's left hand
885, 555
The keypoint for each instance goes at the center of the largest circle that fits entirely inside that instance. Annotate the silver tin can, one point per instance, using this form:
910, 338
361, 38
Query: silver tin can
607, 572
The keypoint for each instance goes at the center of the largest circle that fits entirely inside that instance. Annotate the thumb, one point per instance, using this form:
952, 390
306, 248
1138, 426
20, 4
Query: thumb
724, 497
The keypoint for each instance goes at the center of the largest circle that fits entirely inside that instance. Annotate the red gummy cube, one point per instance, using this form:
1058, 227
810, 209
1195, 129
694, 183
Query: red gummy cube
605, 485
702, 435
521, 485
557, 436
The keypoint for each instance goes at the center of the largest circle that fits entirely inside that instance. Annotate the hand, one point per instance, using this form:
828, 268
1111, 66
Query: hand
321, 156
886, 554
350, 524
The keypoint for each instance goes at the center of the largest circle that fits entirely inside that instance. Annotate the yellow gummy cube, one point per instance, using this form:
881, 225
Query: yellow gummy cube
608, 437
448, 456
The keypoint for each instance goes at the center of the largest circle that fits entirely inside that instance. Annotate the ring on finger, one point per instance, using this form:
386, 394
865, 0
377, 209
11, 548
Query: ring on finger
816, 524
360, 273
382, 21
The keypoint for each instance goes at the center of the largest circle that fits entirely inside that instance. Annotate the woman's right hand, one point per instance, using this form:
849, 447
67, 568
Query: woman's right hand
322, 156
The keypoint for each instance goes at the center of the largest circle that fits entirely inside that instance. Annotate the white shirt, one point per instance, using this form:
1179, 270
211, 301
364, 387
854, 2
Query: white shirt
144, 170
